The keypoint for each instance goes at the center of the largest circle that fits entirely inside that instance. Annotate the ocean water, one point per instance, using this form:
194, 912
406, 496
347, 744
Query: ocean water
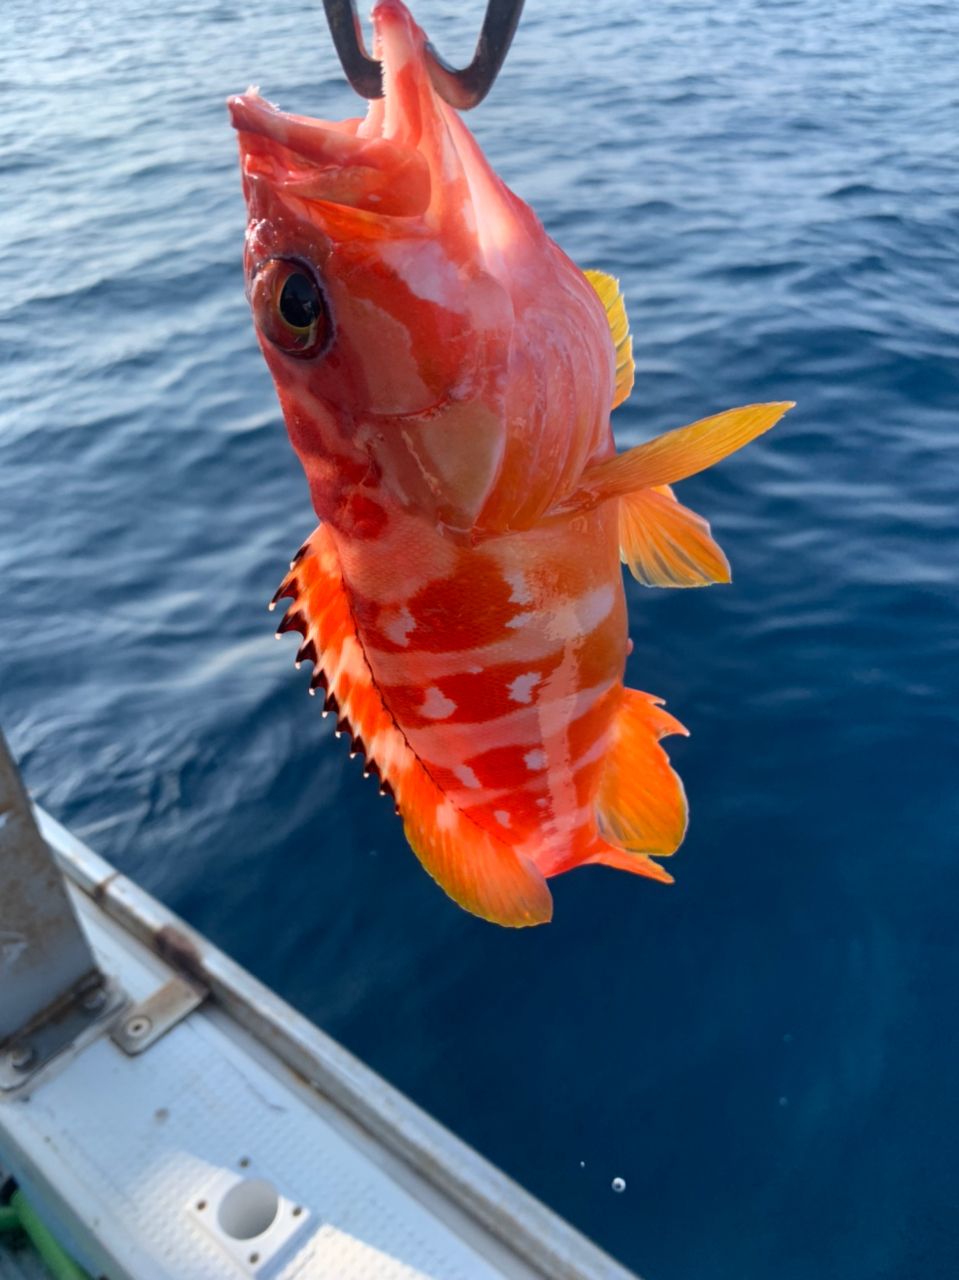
767, 1051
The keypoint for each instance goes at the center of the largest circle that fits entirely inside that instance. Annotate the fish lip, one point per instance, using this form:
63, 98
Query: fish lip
251, 113
333, 162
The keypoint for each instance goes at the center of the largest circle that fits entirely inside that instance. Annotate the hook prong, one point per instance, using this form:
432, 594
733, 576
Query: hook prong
462, 88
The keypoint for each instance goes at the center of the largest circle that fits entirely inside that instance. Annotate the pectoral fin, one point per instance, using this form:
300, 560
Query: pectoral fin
674, 455
664, 544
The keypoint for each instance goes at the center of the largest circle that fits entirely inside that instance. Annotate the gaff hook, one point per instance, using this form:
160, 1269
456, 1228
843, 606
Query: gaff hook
462, 89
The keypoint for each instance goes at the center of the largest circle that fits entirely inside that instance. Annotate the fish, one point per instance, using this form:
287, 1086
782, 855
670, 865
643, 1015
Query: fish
446, 376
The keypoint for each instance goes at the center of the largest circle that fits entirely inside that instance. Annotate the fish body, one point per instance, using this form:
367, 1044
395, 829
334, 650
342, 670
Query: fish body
446, 375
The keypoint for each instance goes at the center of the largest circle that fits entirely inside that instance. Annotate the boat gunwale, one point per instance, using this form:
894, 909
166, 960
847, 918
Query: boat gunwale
538, 1236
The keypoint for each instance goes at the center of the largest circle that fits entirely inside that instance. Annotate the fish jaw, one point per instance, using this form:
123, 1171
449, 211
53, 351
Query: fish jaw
322, 160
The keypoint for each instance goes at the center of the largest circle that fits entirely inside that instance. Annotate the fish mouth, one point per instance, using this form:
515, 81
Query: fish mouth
411, 157
328, 161
374, 164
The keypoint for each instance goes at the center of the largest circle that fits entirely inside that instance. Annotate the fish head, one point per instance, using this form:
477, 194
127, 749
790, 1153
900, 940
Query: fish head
430, 345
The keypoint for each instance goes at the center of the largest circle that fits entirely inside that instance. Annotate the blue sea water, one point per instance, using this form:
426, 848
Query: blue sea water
767, 1051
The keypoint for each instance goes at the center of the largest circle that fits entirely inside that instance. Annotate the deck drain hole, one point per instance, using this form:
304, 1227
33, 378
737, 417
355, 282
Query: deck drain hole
248, 1208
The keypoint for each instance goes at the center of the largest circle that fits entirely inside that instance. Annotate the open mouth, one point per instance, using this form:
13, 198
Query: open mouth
328, 161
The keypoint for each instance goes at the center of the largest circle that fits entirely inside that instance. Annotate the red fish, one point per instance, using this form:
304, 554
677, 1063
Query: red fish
447, 374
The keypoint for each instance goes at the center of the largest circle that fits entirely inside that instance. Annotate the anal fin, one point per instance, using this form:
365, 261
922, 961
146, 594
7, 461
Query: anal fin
484, 875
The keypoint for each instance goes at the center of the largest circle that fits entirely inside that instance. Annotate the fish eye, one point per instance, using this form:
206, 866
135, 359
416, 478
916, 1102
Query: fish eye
290, 307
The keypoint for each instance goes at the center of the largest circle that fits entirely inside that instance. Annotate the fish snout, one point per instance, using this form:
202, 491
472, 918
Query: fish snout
321, 161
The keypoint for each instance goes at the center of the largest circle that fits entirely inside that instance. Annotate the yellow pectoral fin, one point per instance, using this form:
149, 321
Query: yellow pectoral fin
607, 287
664, 544
674, 455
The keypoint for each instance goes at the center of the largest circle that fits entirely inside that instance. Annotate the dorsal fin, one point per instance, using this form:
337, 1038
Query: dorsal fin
610, 295
484, 875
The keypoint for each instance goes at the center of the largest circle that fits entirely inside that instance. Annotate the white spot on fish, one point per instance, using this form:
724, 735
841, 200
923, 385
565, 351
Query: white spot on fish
425, 270
519, 589
436, 705
535, 760
595, 606
398, 628
521, 689
502, 817
520, 621
467, 776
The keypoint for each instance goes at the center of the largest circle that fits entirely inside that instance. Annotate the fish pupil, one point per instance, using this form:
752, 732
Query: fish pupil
300, 303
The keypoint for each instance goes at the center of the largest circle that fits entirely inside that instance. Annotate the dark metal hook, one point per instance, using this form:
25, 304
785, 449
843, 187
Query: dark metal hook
462, 88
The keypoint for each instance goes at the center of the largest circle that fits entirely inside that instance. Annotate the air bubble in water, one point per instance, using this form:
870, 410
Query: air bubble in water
619, 1184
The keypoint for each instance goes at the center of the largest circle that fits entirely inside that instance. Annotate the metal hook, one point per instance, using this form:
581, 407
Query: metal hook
463, 88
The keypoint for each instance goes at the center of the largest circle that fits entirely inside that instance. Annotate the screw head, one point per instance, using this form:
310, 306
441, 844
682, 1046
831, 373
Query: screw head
94, 1000
137, 1026
20, 1056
